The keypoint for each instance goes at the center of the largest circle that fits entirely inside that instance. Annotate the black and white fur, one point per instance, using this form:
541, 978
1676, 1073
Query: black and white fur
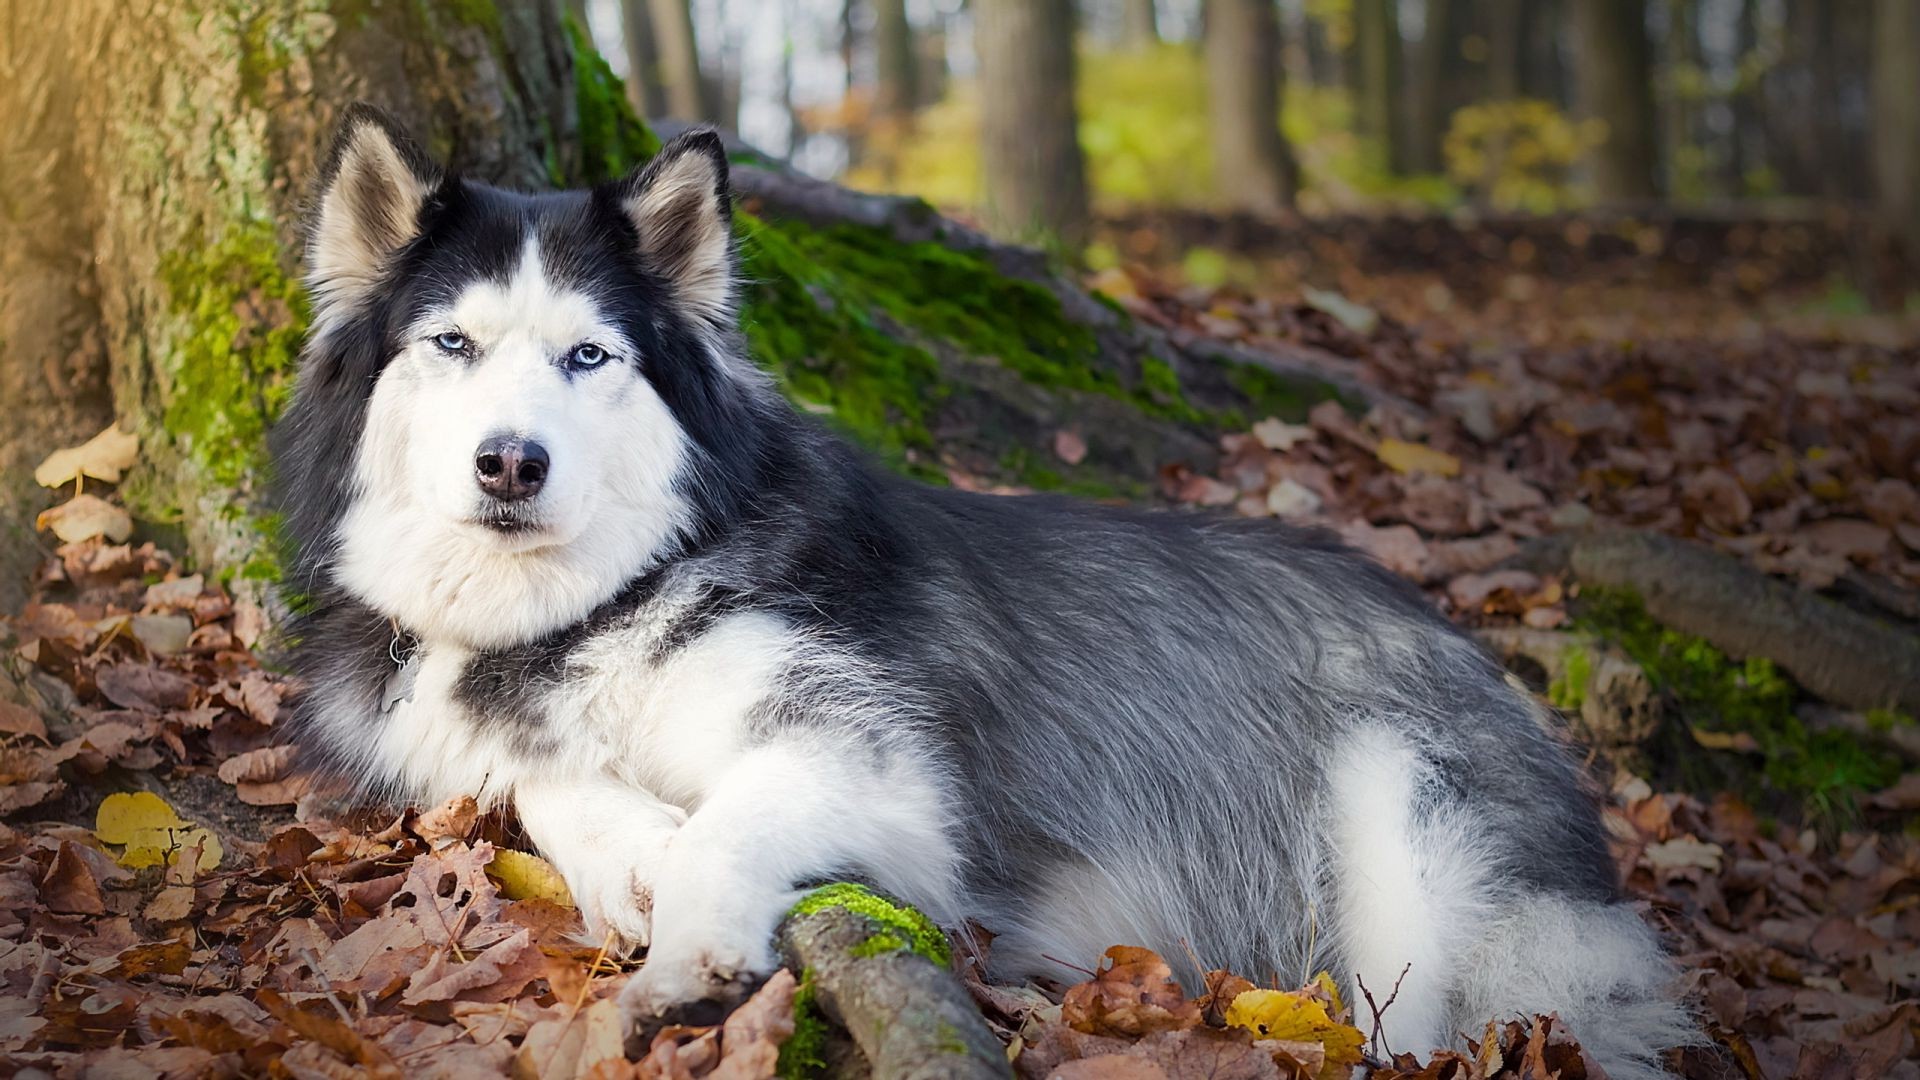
719, 655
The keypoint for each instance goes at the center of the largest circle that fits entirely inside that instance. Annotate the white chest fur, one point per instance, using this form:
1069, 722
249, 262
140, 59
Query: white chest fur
666, 721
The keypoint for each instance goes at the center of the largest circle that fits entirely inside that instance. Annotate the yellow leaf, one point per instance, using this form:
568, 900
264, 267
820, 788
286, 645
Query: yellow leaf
168, 846
1324, 980
84, 517
1406, 457
527, 877
103, 457
123, 816
1297, 1016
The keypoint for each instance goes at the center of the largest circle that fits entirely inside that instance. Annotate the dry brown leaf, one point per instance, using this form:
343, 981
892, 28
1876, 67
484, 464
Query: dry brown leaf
1133, 994
751, 1038
84, 517
453, 819
569, 1046
20, 720
104, 457
257, 766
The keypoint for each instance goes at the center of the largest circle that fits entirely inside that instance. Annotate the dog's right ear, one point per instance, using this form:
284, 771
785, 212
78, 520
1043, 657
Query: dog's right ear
372, 189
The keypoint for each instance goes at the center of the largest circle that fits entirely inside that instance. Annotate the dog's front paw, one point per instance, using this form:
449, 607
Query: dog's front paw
693, 985
615, 893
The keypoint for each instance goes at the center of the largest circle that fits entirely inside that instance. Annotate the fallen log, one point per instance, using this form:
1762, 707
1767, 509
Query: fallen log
1835, 652
880, 972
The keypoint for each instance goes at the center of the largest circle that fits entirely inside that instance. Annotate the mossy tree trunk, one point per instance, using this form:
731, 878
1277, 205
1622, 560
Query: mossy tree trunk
150, 240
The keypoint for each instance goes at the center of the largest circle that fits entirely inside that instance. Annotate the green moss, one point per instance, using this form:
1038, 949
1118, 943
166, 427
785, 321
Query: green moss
1568, 692
851, 322
1269, 394
812, 320
804, 1054
902, 925
612, 140
1885, 720
878, 945
229, 367
1824, 772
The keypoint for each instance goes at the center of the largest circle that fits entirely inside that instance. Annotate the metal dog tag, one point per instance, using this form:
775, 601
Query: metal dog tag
400, 684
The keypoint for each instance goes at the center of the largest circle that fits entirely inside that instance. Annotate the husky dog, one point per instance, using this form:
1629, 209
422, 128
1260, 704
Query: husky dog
562, 546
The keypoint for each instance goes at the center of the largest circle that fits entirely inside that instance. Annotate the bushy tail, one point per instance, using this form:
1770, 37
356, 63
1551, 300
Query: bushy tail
1598, 966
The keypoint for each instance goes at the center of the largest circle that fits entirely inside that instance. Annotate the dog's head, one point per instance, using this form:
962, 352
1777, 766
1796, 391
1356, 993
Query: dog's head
504, 396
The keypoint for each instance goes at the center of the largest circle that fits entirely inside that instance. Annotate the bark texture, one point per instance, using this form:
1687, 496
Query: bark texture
1253, 165
1029, 128
1614, 78
910, 1019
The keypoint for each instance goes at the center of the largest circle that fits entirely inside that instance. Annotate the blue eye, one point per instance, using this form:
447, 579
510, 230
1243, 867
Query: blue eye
451, 341
588, 355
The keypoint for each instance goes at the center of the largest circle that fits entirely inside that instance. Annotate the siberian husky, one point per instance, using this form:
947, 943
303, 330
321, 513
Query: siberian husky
562, 546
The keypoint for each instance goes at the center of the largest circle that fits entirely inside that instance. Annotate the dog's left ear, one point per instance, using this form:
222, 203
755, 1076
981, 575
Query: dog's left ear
682, 208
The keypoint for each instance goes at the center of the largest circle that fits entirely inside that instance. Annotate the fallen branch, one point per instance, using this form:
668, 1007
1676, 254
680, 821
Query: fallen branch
1834, 652
909, 1015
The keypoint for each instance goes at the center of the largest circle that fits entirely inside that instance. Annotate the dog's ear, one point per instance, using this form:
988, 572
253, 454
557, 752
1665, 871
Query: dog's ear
682, 208
372, 189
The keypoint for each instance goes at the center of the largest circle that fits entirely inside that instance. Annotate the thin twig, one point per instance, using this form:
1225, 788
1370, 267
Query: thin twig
1377, 1042
313, 963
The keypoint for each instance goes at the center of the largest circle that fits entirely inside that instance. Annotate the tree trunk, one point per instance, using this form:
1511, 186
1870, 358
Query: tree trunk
1376, 42
1680, 104
897, 84
1748, 144
1896, 121
1615, 86
687, 96
1506, 42
645, 93
1543, 73
1253, 167
1428, 100
1029, 128
1139, 24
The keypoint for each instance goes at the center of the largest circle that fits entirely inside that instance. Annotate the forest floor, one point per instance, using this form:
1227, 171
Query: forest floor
173, 904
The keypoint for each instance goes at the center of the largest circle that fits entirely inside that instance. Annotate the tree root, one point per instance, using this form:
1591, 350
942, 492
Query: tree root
911, 1018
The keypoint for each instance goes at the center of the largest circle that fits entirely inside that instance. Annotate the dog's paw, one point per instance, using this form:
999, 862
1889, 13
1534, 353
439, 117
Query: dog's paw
696, 986
615, 893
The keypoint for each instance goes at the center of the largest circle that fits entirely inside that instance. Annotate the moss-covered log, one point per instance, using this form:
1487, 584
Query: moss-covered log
880, 971
155, 223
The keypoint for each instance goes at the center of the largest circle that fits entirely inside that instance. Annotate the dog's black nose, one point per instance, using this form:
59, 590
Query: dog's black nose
510, 468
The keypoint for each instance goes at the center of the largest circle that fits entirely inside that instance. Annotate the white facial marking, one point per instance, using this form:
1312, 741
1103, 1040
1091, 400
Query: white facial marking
417, 544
